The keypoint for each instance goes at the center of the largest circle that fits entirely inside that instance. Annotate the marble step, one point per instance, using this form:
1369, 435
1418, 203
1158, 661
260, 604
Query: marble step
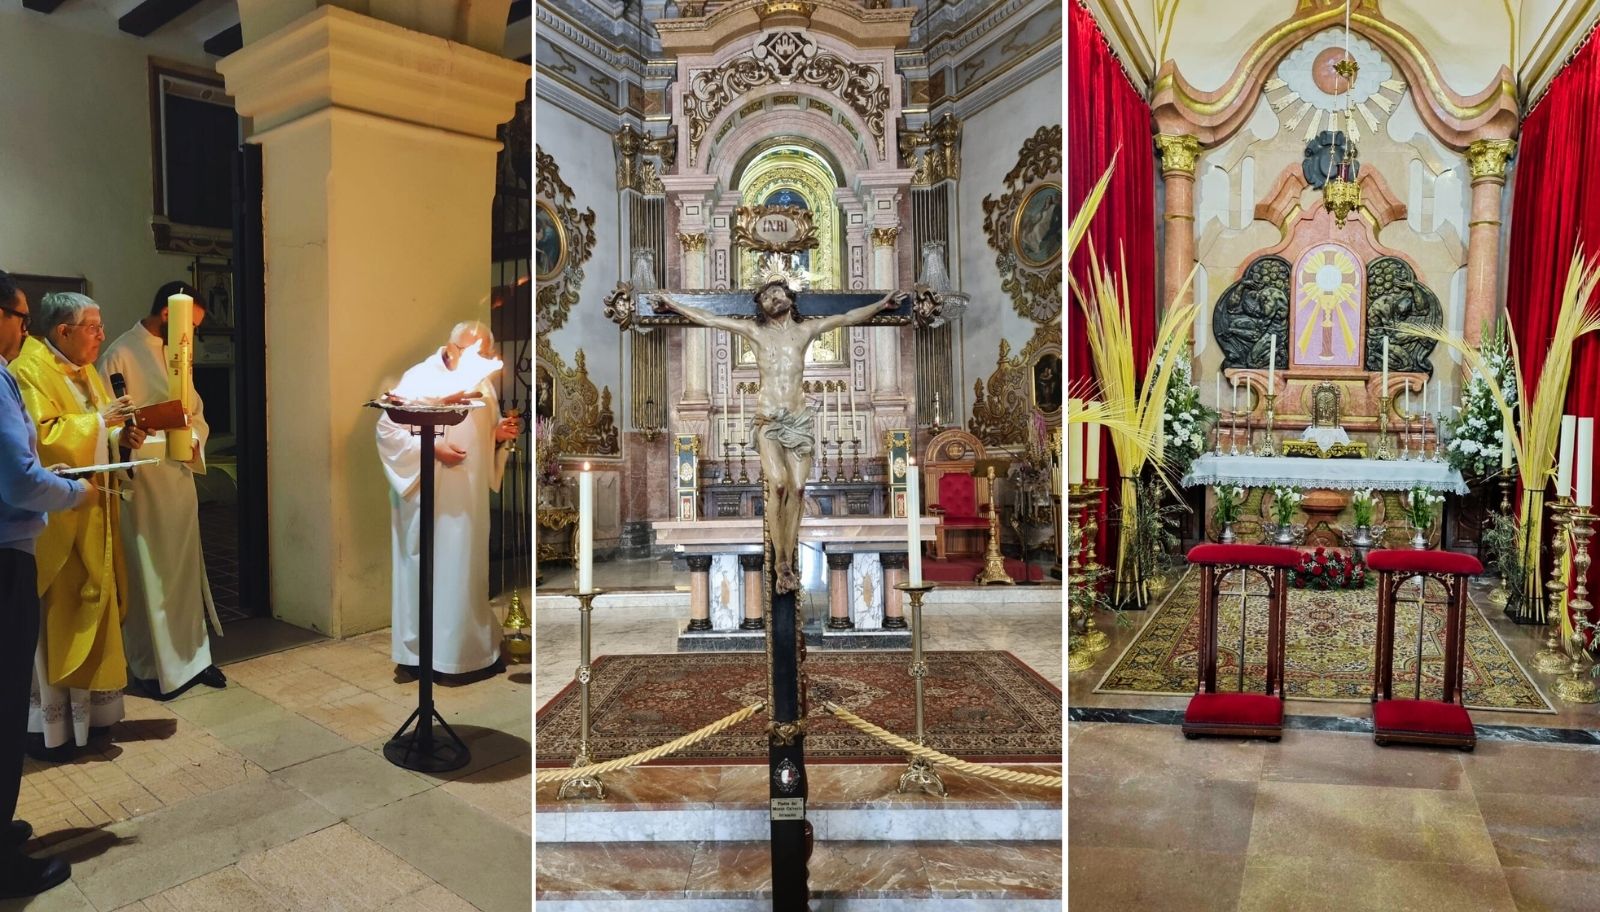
673, 603
843, 876
847, 802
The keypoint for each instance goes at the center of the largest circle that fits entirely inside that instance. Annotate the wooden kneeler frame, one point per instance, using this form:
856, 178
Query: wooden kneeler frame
1239, 714
1443, 722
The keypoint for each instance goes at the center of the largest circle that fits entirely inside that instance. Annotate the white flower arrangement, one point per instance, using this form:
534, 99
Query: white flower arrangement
1477, 433
1362, 502
1285, 500
1183, 419
1420, 512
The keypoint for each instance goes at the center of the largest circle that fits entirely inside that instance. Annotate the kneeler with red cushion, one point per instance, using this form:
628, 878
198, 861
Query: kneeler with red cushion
1239, 714
1418, 721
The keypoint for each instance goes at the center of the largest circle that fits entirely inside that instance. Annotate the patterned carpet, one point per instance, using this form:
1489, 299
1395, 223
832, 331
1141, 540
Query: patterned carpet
981, 706
1331, 641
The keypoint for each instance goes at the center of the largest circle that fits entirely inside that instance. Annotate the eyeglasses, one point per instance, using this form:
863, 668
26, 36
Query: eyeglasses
20, 315
98, 329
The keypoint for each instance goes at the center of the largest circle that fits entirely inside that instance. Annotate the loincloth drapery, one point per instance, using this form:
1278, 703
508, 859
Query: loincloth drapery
791, 430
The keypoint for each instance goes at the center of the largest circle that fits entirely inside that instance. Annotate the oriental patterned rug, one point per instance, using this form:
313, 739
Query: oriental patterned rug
1330, 646
986, 707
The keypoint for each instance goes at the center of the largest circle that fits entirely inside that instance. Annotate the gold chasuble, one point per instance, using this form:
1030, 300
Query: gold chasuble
81, 578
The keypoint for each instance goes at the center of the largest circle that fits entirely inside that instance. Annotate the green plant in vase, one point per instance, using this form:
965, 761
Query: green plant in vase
1285, 503
1362, 504
1419, 511
1230, 503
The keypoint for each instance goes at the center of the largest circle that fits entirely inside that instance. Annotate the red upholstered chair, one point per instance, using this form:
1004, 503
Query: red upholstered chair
1418, 721
958, 503
1240, 714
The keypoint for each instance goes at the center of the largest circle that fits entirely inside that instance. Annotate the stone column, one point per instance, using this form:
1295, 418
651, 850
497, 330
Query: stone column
753, 618
895, 565
379, 147
699, 591
1487, 158
1178, 156
884, 273
839, 590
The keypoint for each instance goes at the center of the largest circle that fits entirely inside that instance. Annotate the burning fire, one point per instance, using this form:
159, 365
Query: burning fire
441, 385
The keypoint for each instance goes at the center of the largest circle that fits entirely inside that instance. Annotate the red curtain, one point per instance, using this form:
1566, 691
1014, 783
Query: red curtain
1556, 206
1106, 113
1106, 116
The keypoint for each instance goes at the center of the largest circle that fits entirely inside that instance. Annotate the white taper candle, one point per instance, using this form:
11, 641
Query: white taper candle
913, 523
586, 530
1569, 432
1585, 462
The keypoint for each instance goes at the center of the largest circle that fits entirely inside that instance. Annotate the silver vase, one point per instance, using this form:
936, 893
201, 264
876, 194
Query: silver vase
1361, 542
1283, 534
1228, 537
1419, 538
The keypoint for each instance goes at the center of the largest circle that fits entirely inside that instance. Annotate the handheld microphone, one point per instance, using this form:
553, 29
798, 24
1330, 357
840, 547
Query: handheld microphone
119, 388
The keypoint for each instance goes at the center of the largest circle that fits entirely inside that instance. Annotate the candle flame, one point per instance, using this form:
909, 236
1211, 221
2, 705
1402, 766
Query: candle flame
586, 467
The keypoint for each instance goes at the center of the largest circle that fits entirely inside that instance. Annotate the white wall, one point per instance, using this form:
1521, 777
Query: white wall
75, 170
991, 140
588, 165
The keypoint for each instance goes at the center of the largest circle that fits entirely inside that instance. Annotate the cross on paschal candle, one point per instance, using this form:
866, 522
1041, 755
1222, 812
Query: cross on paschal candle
787, 782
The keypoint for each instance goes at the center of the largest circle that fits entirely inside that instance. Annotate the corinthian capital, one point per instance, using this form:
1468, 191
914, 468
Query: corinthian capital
1488, 158
1178, 152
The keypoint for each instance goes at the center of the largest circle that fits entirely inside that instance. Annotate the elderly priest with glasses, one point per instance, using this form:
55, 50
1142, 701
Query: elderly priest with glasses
79, 668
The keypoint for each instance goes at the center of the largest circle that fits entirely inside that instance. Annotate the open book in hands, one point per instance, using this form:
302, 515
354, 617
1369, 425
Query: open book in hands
163, 416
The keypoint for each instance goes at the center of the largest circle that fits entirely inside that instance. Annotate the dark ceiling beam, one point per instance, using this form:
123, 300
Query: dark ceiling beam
150, 15
42, 6
225, 42
520, 10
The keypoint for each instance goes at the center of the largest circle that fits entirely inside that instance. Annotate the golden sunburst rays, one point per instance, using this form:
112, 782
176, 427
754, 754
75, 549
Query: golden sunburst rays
1328, 286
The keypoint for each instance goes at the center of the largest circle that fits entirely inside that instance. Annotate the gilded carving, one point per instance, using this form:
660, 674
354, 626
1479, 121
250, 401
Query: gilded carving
584, 423
1178, 153
885, 237
1024, 228
692, 242
627, 141
785, 58
650, 180
752, 229
563, 240
1000, 417
1488, 158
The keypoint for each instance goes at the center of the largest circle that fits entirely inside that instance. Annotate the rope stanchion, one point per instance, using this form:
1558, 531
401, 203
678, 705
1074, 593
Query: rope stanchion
654, 753
928, 753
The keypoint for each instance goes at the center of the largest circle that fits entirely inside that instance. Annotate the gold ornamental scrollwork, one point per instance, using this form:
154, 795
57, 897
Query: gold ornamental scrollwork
1024, 228
748, 229
1000, 416
563, 240
1488, 158
785, 58
1179, 152
933, 152
692, 242
583, 423
885, 237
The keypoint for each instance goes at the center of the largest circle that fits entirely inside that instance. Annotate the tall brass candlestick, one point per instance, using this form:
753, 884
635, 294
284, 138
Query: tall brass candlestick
1552, 658
919, 772
1385, 448
583, 786
1578, 687
180, 371
1269, 447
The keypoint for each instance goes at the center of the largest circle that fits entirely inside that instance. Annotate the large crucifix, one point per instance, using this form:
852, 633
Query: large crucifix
780, 322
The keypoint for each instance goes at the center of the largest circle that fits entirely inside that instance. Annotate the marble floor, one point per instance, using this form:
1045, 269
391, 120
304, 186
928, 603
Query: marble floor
242, 799
1327, 820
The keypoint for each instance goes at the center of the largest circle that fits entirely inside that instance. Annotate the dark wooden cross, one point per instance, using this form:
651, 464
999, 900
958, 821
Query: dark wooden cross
786, 650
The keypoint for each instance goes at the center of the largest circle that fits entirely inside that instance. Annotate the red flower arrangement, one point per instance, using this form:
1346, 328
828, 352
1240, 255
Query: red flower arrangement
1324, 569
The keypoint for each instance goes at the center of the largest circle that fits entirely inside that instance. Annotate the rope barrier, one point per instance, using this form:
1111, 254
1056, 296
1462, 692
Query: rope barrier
654, 753
928, 753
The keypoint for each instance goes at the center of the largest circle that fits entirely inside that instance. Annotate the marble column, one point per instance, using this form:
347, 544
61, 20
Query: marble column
895, 565
699, 591
753, 618
884, 274
379, 149
1487, 158
839, 590
696, 339
1178, 156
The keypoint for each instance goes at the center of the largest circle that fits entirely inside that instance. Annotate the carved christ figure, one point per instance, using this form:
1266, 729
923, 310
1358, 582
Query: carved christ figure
783, 422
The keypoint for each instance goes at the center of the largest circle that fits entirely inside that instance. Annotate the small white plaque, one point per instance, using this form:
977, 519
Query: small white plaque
788, 809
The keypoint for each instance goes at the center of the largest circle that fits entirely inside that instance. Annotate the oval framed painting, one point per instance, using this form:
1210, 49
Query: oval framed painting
1036, 230
549, 243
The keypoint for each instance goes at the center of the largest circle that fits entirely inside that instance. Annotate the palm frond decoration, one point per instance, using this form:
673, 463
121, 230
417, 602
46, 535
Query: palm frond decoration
1539, 433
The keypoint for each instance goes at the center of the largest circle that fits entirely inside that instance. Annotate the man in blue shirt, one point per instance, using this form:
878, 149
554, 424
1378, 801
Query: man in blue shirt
27, 492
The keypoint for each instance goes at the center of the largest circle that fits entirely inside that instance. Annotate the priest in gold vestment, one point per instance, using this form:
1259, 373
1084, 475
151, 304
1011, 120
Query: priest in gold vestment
79, 667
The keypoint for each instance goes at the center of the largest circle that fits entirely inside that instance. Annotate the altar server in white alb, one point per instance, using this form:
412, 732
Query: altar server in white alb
469, 461
169, 599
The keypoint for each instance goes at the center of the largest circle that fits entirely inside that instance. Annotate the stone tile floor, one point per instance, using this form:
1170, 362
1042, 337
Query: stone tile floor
273, 795
1328, 820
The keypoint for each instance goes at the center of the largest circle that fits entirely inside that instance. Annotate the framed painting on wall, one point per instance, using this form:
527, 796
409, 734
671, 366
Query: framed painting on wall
549, 243
214, 281
1037, 233
37, 286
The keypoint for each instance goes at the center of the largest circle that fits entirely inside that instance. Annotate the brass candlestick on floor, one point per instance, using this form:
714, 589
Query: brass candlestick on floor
919, 772
1578, 687
1552, 658
583, 786
1095, 640
994, 563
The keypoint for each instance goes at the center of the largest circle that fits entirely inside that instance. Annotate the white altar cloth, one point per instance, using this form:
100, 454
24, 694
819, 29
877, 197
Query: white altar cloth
1332, 474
